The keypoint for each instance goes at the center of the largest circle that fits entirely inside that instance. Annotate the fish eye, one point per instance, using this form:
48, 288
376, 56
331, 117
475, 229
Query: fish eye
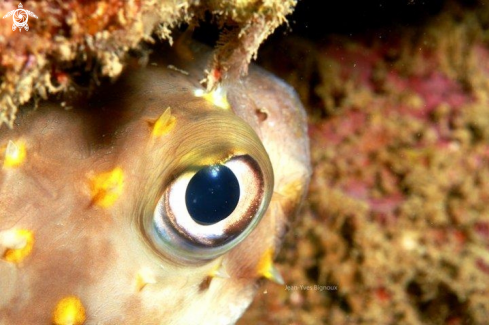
212, 194
208, 210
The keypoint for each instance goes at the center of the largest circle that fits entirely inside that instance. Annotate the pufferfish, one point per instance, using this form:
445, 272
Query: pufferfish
152, 202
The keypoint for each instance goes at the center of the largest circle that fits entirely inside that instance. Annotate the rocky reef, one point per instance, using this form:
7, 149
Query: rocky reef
396, 227
73, 44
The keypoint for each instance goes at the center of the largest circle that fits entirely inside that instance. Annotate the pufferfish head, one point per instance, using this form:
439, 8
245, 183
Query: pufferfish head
152, 202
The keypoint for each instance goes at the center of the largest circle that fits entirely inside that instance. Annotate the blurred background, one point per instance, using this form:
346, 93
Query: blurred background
396, 226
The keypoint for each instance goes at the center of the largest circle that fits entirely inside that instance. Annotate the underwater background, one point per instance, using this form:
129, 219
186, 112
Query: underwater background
395, 229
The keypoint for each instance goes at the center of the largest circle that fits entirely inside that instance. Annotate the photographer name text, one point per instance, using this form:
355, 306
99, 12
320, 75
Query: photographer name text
310, 287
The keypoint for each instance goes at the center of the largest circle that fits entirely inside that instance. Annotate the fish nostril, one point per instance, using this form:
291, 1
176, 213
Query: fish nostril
261, 114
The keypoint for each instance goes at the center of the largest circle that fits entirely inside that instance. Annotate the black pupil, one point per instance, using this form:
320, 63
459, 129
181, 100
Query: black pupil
212, 194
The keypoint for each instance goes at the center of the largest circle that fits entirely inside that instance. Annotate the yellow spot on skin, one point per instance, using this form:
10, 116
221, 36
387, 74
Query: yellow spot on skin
15, 154
219, 271
143, 277
107, 187
165, 123
69, 311
19, 244
267, 269
216, 97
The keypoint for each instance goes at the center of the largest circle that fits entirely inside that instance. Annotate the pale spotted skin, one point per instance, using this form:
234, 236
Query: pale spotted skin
95, 253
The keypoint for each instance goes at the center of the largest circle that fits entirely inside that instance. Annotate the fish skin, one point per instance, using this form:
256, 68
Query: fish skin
95, 253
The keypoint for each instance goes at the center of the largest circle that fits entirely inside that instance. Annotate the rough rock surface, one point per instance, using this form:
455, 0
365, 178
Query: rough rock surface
70, 38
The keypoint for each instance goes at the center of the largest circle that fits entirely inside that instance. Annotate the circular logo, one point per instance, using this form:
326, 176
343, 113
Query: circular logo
20, 18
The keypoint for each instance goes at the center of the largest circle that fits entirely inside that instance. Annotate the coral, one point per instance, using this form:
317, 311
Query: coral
71, 38
396, 223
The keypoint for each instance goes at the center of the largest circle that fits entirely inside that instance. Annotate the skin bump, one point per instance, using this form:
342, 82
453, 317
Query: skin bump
69, 311
144, 277
267, 269
15, 154
219, 270
216, 97
164, 124
18, 244
107, 187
